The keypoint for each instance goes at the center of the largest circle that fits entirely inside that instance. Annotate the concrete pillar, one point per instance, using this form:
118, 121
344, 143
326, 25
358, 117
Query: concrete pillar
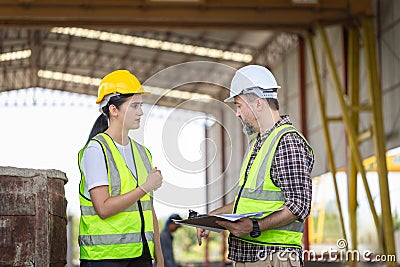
32, 217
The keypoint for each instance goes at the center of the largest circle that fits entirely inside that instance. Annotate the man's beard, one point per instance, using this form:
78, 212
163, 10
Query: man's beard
247, 128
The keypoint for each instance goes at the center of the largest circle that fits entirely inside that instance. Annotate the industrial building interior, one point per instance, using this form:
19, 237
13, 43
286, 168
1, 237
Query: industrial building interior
337, 61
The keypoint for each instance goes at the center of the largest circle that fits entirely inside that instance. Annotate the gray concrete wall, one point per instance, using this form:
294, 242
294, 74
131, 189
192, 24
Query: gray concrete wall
388, 24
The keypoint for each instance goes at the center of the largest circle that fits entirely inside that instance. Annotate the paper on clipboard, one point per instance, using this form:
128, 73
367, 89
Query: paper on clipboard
208, 222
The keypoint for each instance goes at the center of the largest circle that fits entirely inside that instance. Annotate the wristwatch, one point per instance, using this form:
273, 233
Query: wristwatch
256, 229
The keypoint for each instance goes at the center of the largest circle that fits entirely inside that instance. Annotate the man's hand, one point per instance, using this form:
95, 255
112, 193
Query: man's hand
239, 228
201, 233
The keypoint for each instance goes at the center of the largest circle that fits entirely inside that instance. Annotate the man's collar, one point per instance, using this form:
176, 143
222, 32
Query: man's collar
284, 120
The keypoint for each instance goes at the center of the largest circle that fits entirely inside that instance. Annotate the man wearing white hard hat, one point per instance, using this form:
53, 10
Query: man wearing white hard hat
275, 176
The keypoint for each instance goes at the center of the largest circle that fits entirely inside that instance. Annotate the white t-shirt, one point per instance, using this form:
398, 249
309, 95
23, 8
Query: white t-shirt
94, 165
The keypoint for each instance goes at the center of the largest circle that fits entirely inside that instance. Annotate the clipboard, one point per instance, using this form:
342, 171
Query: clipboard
209, 222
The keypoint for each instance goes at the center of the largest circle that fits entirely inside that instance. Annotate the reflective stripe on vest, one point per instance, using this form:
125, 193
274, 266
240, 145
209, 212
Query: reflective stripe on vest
96, 240
112, 168
263, 167
118, 236
259, 193
89, 210
295, 226
267, 195
143, 156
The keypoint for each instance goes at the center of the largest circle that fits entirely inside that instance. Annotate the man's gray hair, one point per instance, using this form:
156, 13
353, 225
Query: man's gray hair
272, 102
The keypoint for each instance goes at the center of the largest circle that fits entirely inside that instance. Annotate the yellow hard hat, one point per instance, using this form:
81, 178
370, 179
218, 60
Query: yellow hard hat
119, 81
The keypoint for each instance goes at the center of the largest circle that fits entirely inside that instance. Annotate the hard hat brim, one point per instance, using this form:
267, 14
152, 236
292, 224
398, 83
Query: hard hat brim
258, 91
142, 92
230, 99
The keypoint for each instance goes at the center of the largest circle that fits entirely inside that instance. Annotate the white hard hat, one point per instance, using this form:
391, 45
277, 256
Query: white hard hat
253, 79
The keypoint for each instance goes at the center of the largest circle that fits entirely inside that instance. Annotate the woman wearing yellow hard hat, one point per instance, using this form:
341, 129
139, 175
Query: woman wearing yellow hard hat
118, 225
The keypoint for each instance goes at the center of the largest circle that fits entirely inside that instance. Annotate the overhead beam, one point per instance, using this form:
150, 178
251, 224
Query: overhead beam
269, 14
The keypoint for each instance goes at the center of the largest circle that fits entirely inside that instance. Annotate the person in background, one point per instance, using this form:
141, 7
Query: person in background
118, 225
275, 176
167, 238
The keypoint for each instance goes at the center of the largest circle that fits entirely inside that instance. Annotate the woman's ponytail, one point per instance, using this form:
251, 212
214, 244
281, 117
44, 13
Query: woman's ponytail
99, 126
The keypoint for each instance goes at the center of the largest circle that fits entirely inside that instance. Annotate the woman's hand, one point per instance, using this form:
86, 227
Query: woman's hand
153, 181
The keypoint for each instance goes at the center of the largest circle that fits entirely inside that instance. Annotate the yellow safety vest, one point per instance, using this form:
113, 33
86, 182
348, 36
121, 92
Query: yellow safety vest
118, 236
258, 193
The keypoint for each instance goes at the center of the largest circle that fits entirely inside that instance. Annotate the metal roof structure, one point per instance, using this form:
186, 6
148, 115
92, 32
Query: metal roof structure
70, 45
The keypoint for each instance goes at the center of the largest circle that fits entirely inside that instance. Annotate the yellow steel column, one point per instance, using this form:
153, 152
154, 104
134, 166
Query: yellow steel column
375, 94
328, 143
351, 132
354, 85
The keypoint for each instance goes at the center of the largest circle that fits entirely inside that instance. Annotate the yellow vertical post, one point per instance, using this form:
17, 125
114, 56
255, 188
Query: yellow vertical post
321, 105
354, 85
375, 93
311, 233
351, 132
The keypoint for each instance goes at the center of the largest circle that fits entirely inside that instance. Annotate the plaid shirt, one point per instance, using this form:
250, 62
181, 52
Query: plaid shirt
290, 171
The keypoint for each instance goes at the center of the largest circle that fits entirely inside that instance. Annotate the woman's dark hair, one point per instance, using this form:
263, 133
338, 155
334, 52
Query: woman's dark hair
101, 124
